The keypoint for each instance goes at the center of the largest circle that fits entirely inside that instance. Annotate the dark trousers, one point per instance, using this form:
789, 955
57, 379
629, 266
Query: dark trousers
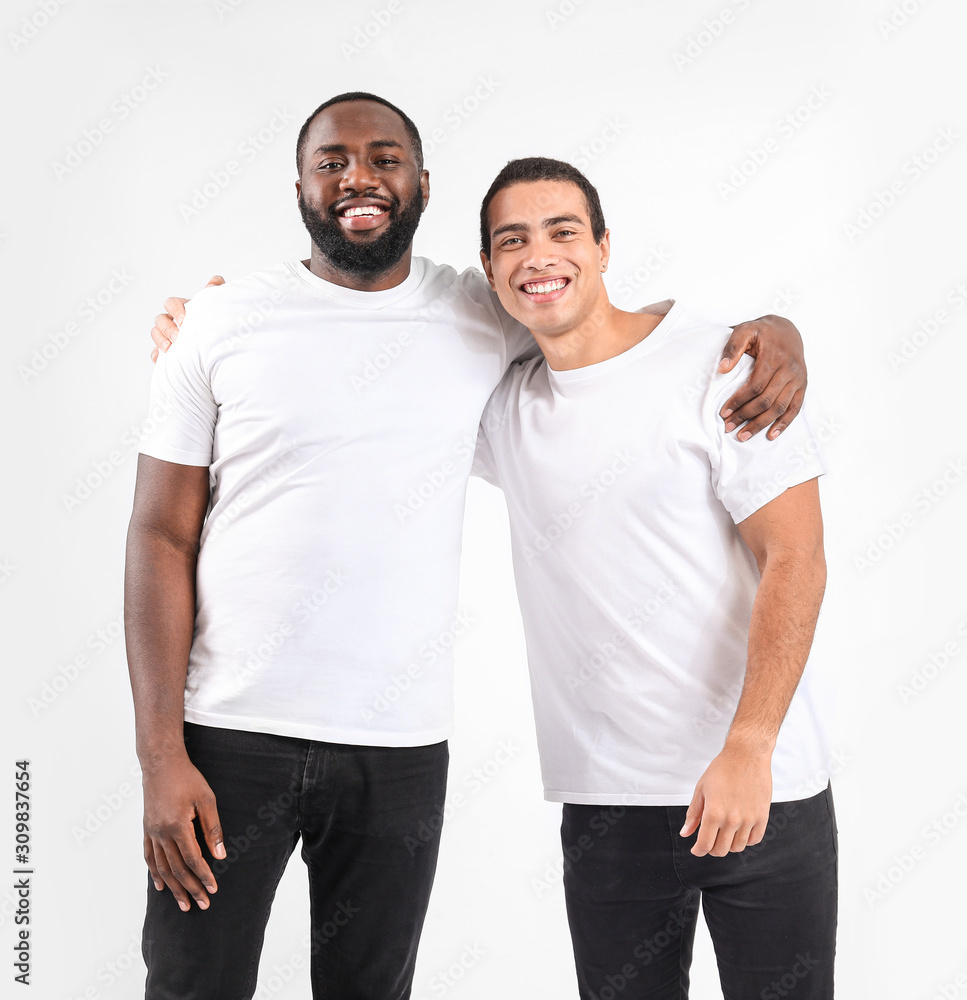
633, 891
369, 820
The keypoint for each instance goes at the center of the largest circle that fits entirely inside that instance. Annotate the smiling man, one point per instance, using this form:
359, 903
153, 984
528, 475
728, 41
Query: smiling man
670, 579
286, 602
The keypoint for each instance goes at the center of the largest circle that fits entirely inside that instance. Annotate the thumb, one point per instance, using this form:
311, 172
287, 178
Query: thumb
212, 828
735, 347
216, 279
693, 816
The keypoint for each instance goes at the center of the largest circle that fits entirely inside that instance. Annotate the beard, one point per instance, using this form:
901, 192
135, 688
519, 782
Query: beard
356, 257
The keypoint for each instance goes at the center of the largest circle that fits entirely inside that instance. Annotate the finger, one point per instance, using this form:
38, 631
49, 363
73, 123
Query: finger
164, 332
171, 868
212, 829
155, 354
757, 832
768, 416
771, 371
741, 340
733, 834
781, 384
723, 840
753, 396
707, 835
751, 401
740, 839
175, 308
197, 876
152, 865
792, 411
182, 872
778, 409
693, 815
215, 279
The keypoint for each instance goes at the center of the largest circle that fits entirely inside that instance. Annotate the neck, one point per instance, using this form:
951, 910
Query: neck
605, 332
322, 267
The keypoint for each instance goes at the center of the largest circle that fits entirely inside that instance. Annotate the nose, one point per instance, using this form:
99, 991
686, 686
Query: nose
541, 254
358, 176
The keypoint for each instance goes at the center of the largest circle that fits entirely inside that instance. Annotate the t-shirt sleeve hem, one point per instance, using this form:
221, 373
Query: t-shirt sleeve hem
176, 455
774, 489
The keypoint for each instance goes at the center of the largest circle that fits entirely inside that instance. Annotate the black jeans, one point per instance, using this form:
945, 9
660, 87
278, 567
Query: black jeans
369, 819
633, 888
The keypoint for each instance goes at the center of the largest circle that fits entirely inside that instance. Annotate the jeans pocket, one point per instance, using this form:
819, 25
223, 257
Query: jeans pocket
828, 796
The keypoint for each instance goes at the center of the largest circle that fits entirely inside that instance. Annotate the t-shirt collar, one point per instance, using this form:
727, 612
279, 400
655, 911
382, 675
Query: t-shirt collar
373, 300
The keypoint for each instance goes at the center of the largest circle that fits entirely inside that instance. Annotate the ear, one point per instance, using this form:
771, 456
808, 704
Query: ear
298, 189
425, 187
605, 246
488, 269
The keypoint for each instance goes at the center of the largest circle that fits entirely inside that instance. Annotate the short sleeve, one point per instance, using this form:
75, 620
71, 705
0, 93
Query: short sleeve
746, 475
484, 464
494, 416
181, 418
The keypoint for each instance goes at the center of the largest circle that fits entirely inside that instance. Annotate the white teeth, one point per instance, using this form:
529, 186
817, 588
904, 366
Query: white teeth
351, 213
542, 288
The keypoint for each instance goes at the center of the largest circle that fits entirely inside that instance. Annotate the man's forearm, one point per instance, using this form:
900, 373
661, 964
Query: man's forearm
780, 635
159, 620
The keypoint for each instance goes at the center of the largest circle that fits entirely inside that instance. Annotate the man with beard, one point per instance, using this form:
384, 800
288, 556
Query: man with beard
292, 574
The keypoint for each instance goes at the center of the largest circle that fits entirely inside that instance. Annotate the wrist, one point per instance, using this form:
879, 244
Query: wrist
750, 743
156, 755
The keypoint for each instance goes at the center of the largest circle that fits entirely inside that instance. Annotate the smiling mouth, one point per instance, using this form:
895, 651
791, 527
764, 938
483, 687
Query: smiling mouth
547, 290
359, 218
353, 213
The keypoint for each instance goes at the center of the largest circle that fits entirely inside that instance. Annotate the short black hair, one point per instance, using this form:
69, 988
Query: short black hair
357, 95
541, 168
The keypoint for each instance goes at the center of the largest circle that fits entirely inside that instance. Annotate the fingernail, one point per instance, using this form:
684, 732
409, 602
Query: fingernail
730, 426
681, 832
726, 414
745, 435
775, 433
220, 850
202, 905
183, 905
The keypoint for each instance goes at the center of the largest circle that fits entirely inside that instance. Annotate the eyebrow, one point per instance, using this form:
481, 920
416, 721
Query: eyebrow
342, 148
520, 227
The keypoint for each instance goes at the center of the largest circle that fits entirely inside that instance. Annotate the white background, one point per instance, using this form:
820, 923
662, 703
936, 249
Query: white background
665, 139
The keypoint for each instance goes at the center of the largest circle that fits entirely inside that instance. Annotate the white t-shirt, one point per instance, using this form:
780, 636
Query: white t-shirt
339, 426
635, 586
